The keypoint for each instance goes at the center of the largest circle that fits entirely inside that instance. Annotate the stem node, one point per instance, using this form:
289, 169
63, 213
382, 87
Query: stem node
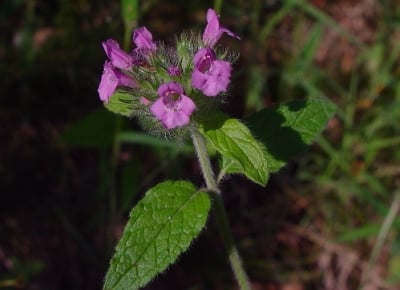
220, 212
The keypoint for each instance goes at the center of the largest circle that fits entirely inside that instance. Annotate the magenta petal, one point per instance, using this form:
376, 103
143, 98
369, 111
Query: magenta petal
166, 88
175, 119
108, 83
158, 109
213, 31
186, 105
219, 79
203, 59
213, 81
169, 117
118, 57
125, 80
173, 108
198, 79
180, 119
143, 39
230, 33
109, 45
162, 90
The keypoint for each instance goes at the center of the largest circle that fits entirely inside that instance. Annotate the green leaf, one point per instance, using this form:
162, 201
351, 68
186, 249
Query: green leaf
241, 152
120, 103
96, 129
287, 129
160, 227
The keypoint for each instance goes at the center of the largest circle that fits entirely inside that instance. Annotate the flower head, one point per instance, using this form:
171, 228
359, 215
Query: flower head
118, 57
173, 108
152, 76
210, 75
213, 31
111, 79
143, 39
174, 71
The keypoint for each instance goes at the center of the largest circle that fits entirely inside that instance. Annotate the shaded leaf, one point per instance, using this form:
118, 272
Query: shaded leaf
153, 141
96, 129
288, 129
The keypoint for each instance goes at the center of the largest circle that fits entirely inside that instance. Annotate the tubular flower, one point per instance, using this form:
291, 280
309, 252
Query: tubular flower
174, 71
143, 39
110, 80
213, 31
173, 108
210, 75
119, 58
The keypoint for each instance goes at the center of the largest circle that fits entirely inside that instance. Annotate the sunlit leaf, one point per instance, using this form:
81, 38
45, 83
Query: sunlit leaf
120, 103
160, 228
241, 152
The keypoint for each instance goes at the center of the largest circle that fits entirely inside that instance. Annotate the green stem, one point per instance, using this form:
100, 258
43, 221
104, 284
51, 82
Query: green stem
217, 5
204, 160
222, 220
130, 16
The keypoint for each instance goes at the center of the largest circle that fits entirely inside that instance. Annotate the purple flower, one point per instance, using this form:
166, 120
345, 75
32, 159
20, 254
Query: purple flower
110, 80
213, 31
143, 39
173, 108
174, 71
124, 80
118, 57
210, 75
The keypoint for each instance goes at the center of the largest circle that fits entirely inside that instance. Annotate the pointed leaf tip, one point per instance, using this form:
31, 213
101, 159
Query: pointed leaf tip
161, 226
241, 152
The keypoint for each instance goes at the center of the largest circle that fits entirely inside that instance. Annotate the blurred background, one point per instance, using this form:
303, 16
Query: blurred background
70, 171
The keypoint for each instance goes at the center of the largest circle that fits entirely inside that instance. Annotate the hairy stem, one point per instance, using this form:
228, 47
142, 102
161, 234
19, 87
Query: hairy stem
222, 220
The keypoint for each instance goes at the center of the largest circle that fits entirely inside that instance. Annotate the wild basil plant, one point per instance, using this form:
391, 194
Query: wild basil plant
175, 92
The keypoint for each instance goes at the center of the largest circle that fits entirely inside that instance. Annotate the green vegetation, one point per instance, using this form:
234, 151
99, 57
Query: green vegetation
70, 171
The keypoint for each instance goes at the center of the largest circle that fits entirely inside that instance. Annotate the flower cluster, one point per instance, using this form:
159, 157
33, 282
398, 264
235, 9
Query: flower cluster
163, 84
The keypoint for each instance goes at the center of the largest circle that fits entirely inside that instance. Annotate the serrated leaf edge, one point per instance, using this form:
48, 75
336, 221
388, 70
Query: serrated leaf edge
134, 265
